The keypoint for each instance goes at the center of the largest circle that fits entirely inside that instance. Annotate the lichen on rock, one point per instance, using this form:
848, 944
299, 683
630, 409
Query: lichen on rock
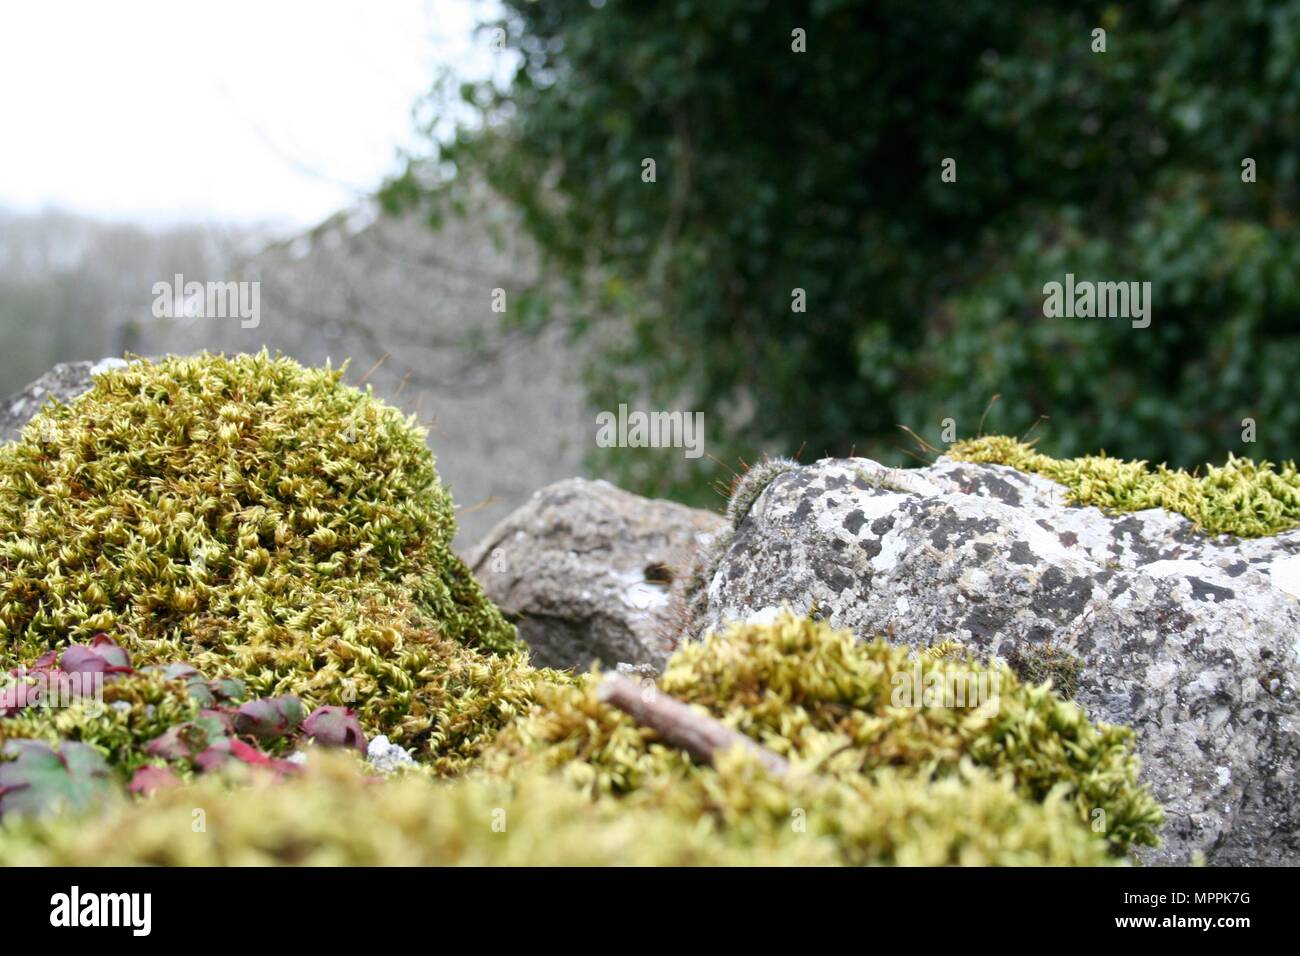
1152, 623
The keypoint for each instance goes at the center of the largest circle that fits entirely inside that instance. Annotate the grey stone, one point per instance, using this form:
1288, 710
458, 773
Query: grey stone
586, 571
64, 382
386, 756
1192, 640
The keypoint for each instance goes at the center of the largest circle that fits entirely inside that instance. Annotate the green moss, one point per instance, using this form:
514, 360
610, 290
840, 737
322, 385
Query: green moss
827, 703
261, 520
535, 819
752, 484
1038, 663
887, 479
1241, 497
946, 649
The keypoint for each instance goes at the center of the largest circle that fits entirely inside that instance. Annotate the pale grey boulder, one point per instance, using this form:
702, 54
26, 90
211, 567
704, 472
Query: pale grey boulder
1194, 641
586, 570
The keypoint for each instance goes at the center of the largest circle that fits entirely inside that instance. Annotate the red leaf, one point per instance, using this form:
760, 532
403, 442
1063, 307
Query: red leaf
147, 780
46, 660
219, 754
248, 754
102, 656
17, 696
269, 717
215, 756
335, 727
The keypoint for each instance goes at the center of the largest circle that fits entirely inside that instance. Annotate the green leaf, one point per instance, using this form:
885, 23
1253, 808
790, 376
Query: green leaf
35, 778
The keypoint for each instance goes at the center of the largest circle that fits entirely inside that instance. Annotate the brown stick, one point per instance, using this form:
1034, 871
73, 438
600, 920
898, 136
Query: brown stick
698, 735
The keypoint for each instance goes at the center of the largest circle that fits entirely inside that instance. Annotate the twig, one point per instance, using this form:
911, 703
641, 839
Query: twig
992, 402
700, 736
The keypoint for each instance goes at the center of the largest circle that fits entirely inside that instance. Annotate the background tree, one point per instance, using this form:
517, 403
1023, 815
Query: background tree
821, 170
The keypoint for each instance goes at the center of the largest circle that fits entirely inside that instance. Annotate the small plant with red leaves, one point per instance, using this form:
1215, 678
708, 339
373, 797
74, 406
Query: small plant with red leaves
216, 730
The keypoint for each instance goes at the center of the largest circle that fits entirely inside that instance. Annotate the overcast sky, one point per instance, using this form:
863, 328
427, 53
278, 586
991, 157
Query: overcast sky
279, 111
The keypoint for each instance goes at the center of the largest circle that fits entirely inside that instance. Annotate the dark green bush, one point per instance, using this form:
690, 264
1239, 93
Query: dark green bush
820, 170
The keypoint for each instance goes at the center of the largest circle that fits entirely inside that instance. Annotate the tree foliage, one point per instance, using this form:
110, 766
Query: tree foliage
779, 170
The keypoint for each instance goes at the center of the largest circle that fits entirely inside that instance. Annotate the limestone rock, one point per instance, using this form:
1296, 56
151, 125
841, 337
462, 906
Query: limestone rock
586, 570
1194, 641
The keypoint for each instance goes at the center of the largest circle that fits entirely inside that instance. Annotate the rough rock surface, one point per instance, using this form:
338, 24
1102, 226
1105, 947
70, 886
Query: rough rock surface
585, 570
1193, 641
64, 382
388, 757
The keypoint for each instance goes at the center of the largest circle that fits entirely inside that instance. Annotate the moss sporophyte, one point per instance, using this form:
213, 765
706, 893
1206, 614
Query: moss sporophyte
327, 579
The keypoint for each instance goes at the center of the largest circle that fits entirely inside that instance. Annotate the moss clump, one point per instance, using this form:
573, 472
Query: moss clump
577, 781
752, 484
1039, 663
827, 703
535, 819
1241, 497
258, 520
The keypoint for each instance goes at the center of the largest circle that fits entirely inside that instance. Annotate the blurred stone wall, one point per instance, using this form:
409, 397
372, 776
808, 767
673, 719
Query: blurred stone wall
505, 409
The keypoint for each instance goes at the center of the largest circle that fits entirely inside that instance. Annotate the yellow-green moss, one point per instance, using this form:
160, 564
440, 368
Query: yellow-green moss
262, 520
1039, 663
333, 816
577, 781
827, 703
1241, 497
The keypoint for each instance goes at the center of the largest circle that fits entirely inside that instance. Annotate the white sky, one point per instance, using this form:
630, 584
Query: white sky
277, 111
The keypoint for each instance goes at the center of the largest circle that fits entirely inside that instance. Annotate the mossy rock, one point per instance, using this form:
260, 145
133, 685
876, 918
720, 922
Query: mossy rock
576, 781
261, 520
1241, 497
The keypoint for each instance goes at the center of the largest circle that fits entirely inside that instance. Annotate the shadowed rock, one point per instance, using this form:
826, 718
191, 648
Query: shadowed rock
585, 571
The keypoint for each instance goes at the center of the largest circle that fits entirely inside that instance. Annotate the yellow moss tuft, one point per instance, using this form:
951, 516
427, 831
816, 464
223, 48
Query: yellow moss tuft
333, 816
260, 520
1241, 497
835, 708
